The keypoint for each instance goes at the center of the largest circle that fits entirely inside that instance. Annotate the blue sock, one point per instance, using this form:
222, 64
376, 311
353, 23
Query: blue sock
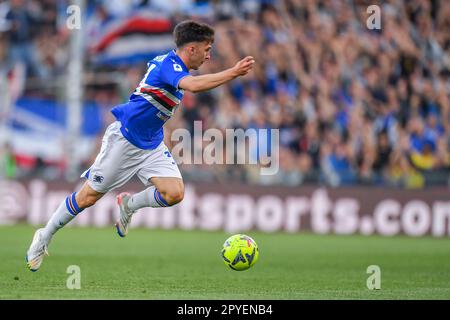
72, 205
150, 197
67, 210
160, 199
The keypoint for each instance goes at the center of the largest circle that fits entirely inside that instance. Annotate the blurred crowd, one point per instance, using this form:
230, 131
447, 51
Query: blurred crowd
353, 105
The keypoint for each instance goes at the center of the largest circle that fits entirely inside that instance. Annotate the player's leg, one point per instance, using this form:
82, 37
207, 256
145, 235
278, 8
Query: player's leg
171, 190
166, 187
165, 192
115, 164
68, 209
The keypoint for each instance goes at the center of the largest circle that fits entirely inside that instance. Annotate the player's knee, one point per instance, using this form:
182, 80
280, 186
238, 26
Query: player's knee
174, 196
177, 197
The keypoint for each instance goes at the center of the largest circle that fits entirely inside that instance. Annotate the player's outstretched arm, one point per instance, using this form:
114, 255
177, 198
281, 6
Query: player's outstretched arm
210, 81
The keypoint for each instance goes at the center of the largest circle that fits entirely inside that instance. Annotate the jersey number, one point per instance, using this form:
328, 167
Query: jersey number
167, 153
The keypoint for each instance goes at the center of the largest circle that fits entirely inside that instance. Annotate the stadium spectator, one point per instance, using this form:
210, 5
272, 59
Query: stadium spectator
353, 105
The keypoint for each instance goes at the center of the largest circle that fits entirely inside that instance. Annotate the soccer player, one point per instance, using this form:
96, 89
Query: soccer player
133, 145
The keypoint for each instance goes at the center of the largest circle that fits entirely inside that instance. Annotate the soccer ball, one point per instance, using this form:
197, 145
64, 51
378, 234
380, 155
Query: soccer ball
240, 252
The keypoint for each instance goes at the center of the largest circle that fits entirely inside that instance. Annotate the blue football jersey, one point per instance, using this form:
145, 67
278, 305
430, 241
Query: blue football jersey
153, 102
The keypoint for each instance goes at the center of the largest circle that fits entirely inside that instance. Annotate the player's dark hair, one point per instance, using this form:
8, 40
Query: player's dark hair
191, 31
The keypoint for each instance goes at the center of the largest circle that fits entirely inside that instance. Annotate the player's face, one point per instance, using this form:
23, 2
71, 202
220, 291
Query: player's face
200, 52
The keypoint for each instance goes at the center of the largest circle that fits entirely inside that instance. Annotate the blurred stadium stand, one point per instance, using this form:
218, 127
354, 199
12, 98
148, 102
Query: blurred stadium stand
354, 106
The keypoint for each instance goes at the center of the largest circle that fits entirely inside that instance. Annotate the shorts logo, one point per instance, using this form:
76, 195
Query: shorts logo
98, 179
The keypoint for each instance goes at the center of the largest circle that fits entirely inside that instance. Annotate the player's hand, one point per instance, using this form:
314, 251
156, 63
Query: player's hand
244, 66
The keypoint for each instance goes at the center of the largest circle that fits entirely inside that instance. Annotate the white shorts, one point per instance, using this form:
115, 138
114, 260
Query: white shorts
119, 160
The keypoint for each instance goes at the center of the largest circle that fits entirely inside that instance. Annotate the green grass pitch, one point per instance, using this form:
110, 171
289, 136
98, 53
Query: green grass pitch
174, 264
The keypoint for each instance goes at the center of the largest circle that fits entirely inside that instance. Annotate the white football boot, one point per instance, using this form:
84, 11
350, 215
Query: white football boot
125, 214
37, 251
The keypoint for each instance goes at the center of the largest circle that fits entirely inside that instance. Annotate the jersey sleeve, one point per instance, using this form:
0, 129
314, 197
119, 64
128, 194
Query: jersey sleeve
172, 73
